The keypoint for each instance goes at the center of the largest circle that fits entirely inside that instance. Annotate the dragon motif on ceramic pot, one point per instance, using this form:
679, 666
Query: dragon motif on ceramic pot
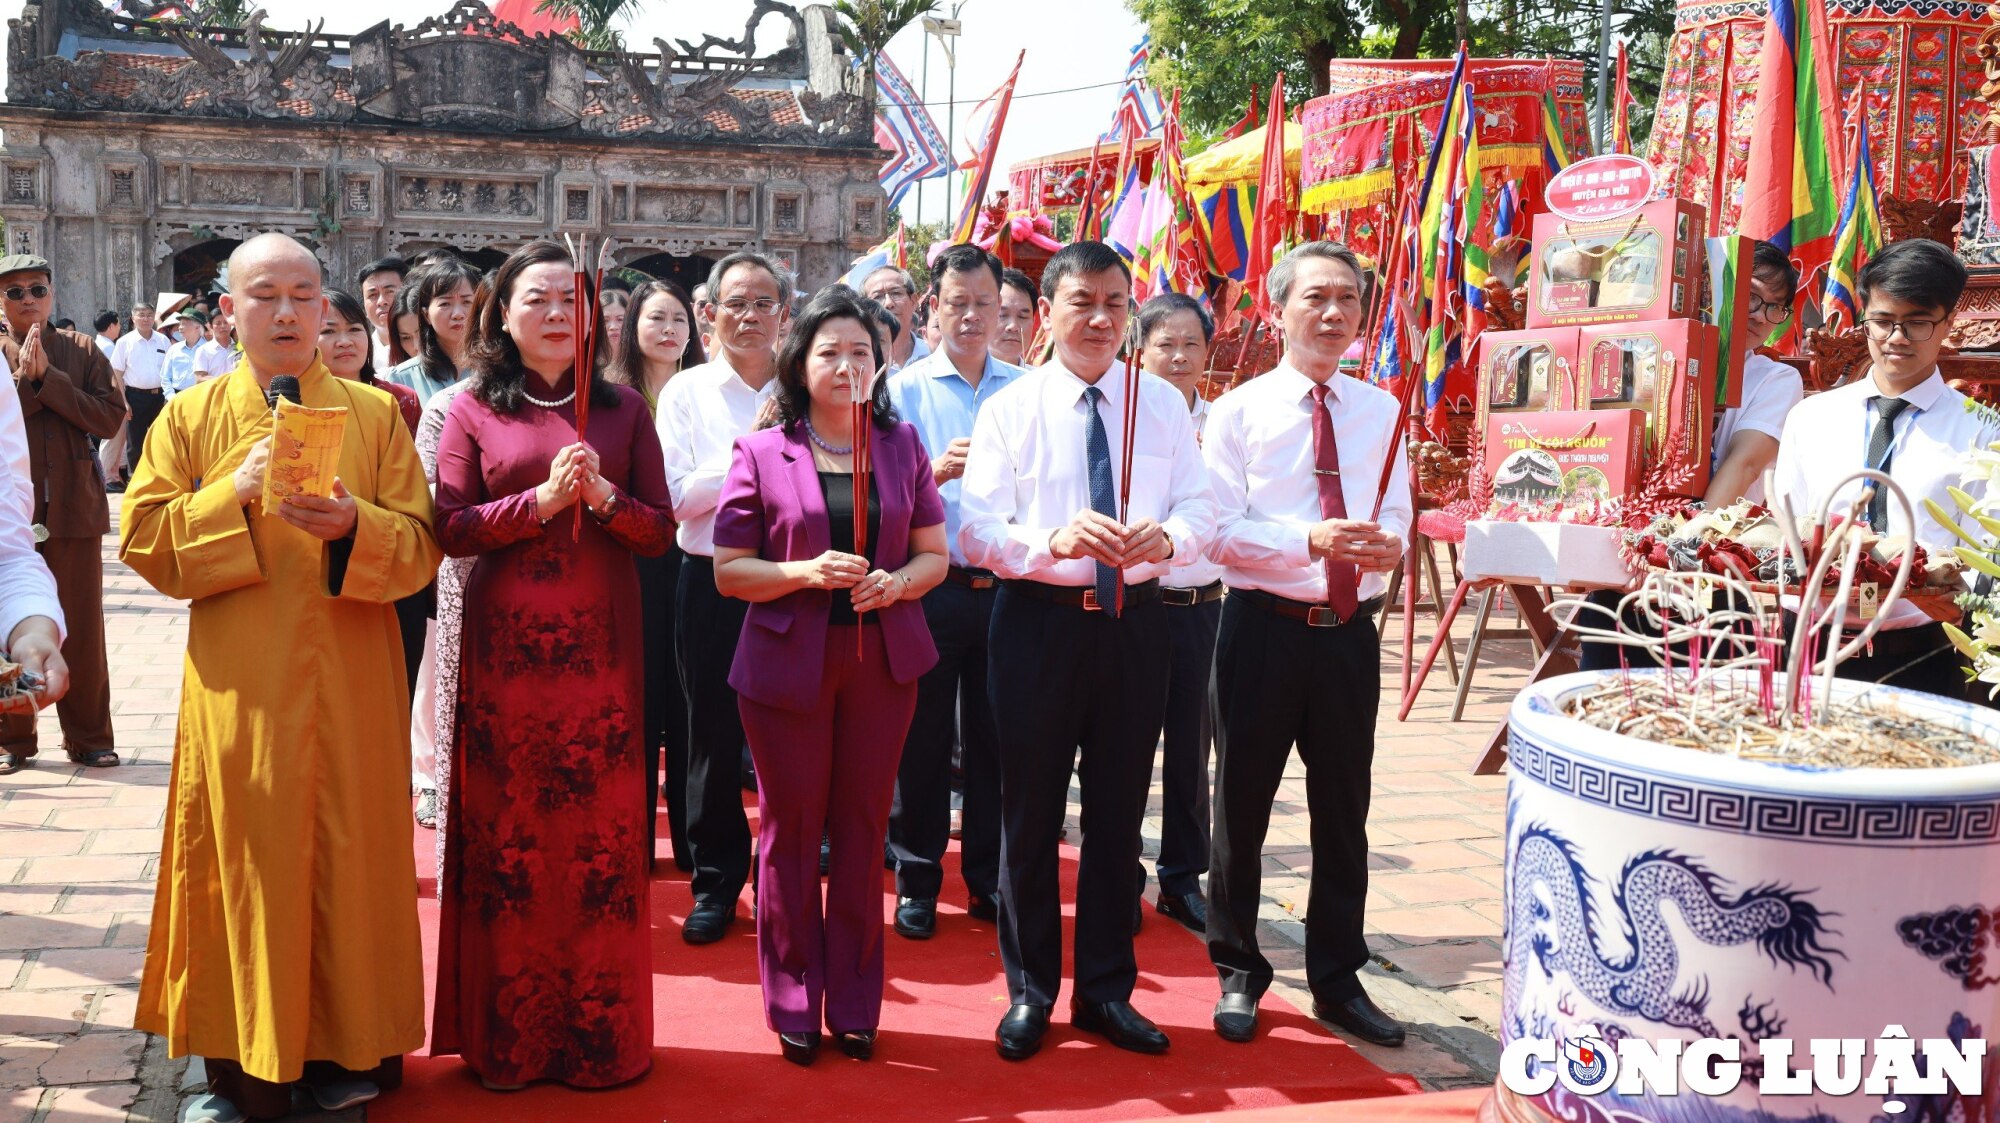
1553, 908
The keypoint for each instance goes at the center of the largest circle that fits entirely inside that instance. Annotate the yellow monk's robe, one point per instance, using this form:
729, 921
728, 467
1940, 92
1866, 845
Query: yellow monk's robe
285, 926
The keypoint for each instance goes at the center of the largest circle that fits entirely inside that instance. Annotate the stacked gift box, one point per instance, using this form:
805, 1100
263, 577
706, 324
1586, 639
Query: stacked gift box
1615, 373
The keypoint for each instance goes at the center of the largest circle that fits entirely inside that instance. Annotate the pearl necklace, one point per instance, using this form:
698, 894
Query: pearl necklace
823, 446
559, 402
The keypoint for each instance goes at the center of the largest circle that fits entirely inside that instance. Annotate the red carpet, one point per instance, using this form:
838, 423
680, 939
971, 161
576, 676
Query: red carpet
713, 1058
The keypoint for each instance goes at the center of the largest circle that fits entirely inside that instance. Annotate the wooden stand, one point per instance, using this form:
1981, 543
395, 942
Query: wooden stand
1561, 654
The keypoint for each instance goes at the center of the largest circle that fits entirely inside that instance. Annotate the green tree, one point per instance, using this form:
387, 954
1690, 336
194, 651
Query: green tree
868, 25
596, 20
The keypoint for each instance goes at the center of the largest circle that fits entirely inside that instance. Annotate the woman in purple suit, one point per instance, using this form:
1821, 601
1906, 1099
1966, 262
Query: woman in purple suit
828, 665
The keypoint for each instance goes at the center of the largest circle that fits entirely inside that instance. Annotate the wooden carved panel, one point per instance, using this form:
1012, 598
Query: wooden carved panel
273, 188
680, 206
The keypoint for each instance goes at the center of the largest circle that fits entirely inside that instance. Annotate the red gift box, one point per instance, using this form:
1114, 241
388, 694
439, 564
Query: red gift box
1646, 265
1666, 369
1573, 459
1518, 371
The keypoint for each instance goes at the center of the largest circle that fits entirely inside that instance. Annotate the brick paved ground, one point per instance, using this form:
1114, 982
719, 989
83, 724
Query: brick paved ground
78, 850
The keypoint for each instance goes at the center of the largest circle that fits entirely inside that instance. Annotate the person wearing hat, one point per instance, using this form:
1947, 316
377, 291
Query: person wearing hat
178, 373
67, 397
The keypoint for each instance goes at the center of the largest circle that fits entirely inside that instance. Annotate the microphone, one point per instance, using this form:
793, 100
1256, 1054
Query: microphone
283, 386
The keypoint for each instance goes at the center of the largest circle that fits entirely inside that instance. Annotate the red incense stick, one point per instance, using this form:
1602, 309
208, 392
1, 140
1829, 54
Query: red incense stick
1131, 419
862, 430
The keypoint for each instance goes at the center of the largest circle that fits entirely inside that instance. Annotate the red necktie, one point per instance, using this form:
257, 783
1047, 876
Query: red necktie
1340, 576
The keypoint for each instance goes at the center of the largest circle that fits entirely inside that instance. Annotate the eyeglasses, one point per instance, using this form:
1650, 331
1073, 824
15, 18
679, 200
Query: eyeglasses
1773, 313
36, 291
1916, 331
764, 307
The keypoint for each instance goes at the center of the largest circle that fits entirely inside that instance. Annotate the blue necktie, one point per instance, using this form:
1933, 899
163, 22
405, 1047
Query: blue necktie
1103, 496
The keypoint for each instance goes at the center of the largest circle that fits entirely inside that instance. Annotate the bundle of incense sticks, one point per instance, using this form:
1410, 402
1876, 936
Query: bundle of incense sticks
585, 343
863, 430
1131, 421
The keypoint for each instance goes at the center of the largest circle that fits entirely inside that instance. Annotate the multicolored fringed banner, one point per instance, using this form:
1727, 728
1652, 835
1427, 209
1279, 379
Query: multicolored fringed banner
1916, 60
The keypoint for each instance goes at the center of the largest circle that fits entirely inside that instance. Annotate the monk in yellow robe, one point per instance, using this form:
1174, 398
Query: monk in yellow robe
284, 945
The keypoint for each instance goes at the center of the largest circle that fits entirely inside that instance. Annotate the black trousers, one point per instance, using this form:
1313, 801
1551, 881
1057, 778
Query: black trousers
708, 625
1187, 742
1920, 658
146, 406
952, 706
1063, 679
1279, 683
666, 714
413, 616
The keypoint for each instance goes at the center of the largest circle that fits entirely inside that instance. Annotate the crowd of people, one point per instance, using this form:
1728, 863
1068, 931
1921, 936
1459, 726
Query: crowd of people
840, 547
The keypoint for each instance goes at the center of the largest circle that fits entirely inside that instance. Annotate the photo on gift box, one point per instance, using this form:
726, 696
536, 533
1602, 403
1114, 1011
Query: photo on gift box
1528, 476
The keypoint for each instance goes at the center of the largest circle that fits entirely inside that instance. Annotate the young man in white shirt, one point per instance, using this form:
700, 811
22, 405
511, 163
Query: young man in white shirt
1296, 459
1174, 334
701, 413
1746, 440
1069, 668
379, 282
218, 354
1901, 419
138, 360
942, 395
106, 326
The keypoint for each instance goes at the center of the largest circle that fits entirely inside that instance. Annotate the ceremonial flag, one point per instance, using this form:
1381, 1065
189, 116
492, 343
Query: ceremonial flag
1440, 238
905, 127
1621, 106
1139, 111
1188, 269
535, 19
1859, 234
1403, 265
1472, 199
988, 120
1267, 234
1248, 122
1090, 213
1555, 154
1791, 190
1153, 255
894, 250
1226, 215
1508, 223
1127, 230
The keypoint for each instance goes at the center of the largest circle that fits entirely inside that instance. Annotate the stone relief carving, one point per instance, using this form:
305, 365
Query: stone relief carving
242, 187
20, 183
170, 237
679, 206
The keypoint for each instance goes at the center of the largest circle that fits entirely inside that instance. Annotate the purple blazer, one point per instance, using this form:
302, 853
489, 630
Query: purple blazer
771, 503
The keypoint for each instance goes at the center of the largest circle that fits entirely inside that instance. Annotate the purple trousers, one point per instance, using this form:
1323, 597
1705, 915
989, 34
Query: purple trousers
830, 768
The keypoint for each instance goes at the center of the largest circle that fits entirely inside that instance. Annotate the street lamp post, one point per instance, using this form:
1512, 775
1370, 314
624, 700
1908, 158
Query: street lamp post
946, 31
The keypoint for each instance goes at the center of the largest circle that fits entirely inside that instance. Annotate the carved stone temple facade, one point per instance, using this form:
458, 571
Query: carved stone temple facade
135, 153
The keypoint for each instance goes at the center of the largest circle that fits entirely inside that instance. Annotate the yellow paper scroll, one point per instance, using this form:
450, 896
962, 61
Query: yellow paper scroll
305, 449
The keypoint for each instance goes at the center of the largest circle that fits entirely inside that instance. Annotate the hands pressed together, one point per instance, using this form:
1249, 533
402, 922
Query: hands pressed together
868, 590
1364, 545
573, 474
1102, 538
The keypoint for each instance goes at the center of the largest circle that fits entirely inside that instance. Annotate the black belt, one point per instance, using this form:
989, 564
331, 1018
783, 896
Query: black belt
1189, 597
1315, 615
1082, 596
145, 390
971, 578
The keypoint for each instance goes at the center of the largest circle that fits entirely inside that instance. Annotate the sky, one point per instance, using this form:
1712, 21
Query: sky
1069, 44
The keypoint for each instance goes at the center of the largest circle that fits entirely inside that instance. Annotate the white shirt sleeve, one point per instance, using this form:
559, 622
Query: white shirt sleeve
988, 502
1191, 513
1789, 473
1241, 541
1764, 408
27, 588
121, 353
694, 492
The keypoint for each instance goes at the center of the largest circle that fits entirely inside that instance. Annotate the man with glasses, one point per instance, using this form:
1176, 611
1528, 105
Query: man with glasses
941, 395
1746, 440
895, 290
1901, 419
67, 397
701, 413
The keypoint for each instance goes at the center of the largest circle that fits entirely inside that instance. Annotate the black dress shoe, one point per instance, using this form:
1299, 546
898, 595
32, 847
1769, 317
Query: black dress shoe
1362, 1018
980, 907
860, 1044
1236, 1017
708, 921
916, 918
1191, 909
1120, 1024
1021, 1031
799, 1048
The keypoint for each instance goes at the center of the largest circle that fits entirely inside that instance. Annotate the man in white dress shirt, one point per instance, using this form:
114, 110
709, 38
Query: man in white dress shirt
1174, 334
942, 395
1068, 668
1903, 420
379, 283
1295, 457
701, 413
1746, 440
139, 359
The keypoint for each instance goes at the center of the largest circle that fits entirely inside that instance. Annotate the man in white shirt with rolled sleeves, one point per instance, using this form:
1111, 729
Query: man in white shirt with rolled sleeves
1295, 458
701, 413
1746, 439
1070, 667
1902, 419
